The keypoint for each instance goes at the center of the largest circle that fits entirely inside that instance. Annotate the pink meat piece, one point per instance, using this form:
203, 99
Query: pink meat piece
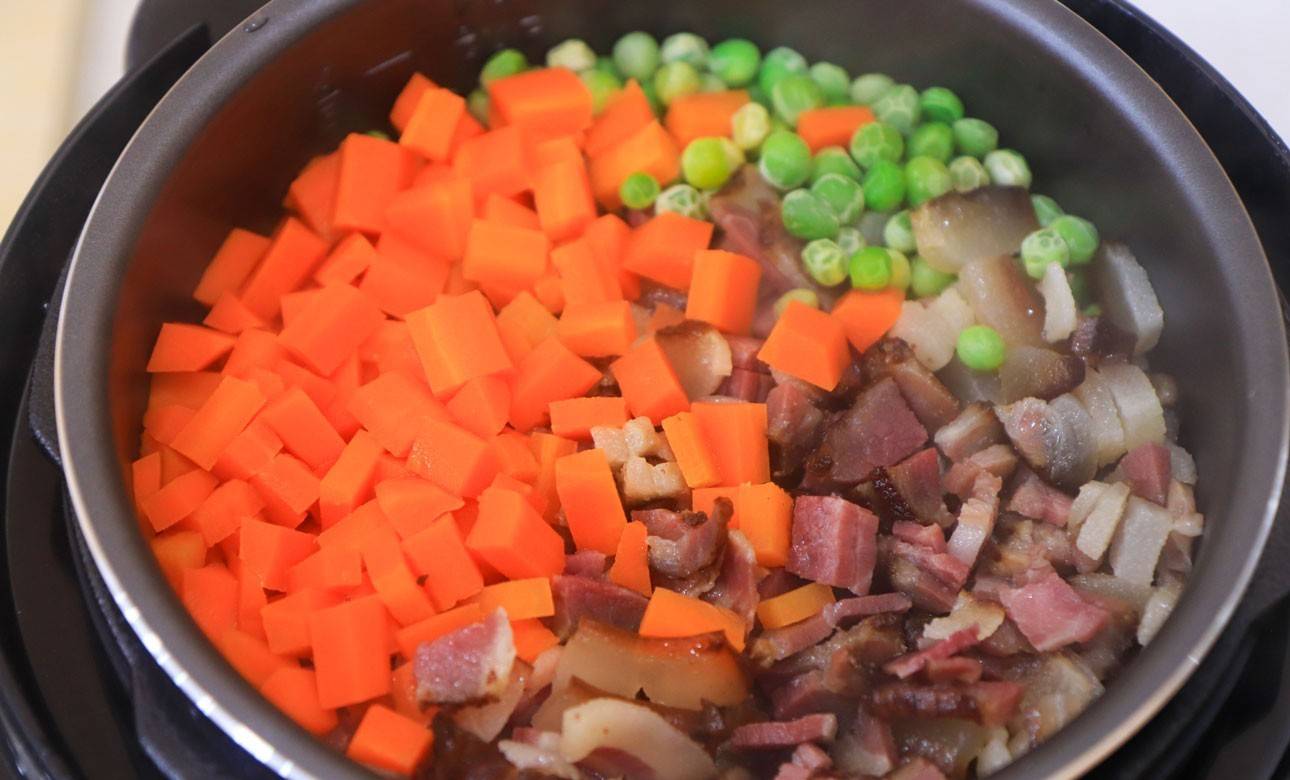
773, 735
834, 542
916, 533
847, 610
743, 353
585, 563
917, 769
1051, 614
583, 597
976, 519
990, 703
794, 426
467, 665
1147, 470
973, 430
779, 643
1033, 497
997, 459
736, 585
918, 480
790, 771
932, 402
805, 694
871, 748
777, 582
913, 663
955, 669
926, 591
878, 430
810, 756
682, 543
943, 566
751, 386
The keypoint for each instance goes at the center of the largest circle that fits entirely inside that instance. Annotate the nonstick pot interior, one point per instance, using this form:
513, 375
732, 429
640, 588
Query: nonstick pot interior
1102, 139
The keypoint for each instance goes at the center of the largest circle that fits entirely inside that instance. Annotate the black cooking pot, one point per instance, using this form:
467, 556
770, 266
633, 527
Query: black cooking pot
220, 149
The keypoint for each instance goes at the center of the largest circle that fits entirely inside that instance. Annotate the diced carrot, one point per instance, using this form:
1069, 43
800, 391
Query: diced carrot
304, 431
670, 614
435, 215
389, 741
412, 504
453, 458
808, 344
296, 377
648, 382
550, 372
495, 162
390, 467
597, 329
507, 211
664, 248
250, 656
549, 448
522, 324
631, 560
403, 693
214, 426
562, 196
286, 619
254, 348
439, 554
183, 347
703, 114
736, 437
402, 278
650, 149
210, 596
532, 638
794, 606
294, 303
288, 488
164, 423
295, 691
388, 404
521, 599
348, 482
251, 598
514, 456
504, 255
269, 549
178, 499
589, 495
176, 551
332, 567
312, 196
335, 322
765, 515
354, 530
867, 316
347, 260
433, 124
372, 171
351, 651
231, 265
723, 290
173, 465
548, 101
512, 538
702, 499
390, 349
575, 417
291, 258
394, 581
457, 340
250, 452
691, 450
406, 103
550, 150
411, 637
482, 405
626, 113
549, 290
186, 388
230, 315
584, 278
831, 125
223, 511
608, 236
145, 477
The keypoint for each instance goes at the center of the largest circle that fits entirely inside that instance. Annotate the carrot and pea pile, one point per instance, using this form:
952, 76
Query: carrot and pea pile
380, 432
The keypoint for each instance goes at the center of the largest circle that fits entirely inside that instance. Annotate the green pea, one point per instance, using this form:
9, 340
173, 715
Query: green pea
758, 95
850, 239
735, 61
807, 216
825, 262
675, 79
685, 47
833, 80
833, 159
980, 348
968, 173
506, 62
636, 55
1079, 235
900, 272
477, 104
1046, 209
876, 141
778, 63
1080, 288
381, 134
704, 163
750, 125
1008, 168
639, 190
710, 83
842, 194
899, 108
898, 233
785, 160
607, 65
1041, 249
884, 186
793, 94
925, 281
682, 199
602, 86
871, 268
573, 54
796, 295
940, 104
975, 137
926, 178
932, 139
869, 87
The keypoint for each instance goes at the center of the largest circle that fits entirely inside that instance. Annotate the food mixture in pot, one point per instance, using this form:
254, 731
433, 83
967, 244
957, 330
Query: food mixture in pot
686, 412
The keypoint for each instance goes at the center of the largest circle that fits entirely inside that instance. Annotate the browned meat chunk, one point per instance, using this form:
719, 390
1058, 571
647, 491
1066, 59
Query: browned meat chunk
794, 426
987, 703
834, 542
682, 543
585, 563
932, 402
469, 664
973, 430
915, 662
918, 480
583, 597
1033, 497
1052, 614
997, 459
736, 585
1147, 470
842, 612
780, 643
879, 430
785, 734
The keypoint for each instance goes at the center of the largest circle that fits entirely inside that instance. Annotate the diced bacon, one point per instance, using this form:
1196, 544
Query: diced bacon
932, 401
918, 480
794, 426
682, 543
806, 694
834, 542
779, 643
579, 597
976, 519
752, 386
585, 563
973, 430
997, 459
878, 430
466, 665
867, 747
930, 536
913, 663
956, 669
736, 585
988, 703
1051, 614
1033, 497
1147, 468
773, 735
842, 612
